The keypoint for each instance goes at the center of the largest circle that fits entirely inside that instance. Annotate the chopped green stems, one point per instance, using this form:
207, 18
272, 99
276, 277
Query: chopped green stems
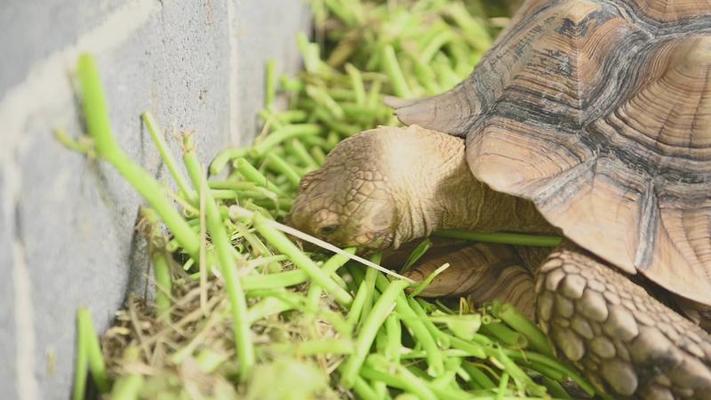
556, 389
291, 85
346, 12
80, 145
417, 328
428, 280
518, 239
274, 281
319, 155
520, 377
479, 379
474, 31
313, 347
434, 46
222, 159
161, 272
239, 212
128, 387
168, 159
329, 267
392, 68
552, 363
505, 334
370, 277
266, 307
473, 348
320, 96
547, 371
374, 320
416, 254
97, 120
393, 330
253, 175
89, 342
300, 151
289, 249
363, 390
310, 53
81, 366
233, 184
278, 165
397, 376
356, 309
374, 94
422, 335
282, 134
511, 316
291, 116
356, 83
503, 383
221, 242
270, 84
440, 338
96, 111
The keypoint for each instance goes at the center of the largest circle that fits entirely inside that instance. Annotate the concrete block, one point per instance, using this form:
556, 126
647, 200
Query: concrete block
67, 222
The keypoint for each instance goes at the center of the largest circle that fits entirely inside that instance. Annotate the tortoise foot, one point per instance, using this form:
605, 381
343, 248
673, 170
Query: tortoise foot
481, 272
626, 341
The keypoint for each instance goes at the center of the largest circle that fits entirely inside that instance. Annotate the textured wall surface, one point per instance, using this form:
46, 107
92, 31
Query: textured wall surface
66, 222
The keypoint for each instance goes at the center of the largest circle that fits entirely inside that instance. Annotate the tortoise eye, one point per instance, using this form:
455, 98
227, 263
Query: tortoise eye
327, 230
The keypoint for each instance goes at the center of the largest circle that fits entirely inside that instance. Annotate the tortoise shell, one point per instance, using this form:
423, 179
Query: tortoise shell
599, 111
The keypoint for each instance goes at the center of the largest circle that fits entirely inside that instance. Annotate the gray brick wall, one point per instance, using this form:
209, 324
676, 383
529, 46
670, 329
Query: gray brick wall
66, 222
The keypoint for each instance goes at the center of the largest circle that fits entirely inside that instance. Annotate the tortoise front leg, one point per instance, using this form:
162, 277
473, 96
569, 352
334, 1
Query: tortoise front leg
480, 272
624, 339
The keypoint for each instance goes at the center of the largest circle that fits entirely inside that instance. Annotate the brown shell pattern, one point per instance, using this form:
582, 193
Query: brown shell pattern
599, 112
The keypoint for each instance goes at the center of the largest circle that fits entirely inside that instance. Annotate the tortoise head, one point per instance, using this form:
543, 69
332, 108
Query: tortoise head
349, 201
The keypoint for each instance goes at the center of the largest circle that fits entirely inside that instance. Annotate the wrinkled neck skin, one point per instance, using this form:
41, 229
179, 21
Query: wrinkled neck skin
435, 190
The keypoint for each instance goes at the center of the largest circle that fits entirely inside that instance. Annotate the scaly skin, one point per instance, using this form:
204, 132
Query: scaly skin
388, 186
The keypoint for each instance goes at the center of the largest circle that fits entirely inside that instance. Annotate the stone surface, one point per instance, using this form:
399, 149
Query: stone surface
66, 222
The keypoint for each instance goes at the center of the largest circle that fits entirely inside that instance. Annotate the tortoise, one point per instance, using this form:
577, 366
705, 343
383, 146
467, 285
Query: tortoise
591, 118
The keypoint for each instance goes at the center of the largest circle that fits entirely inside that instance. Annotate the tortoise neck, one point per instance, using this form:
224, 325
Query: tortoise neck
444, 194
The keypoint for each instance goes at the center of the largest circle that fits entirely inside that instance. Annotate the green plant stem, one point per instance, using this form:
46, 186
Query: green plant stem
517, 239
253, 175
224, 157
505, 334
282, 134
238, 303
314, 347
356, 83
270, 83
512, 317
363, 390
278, 165
392, 68
286, 247
374, 320
479, 379
128, 387
94, 357
81, 366
356, 309
417, 328
167, 157
161, 272
99, 126
329, 267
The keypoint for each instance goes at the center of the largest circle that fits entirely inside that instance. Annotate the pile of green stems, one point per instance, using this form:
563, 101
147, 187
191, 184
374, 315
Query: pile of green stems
390, 342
